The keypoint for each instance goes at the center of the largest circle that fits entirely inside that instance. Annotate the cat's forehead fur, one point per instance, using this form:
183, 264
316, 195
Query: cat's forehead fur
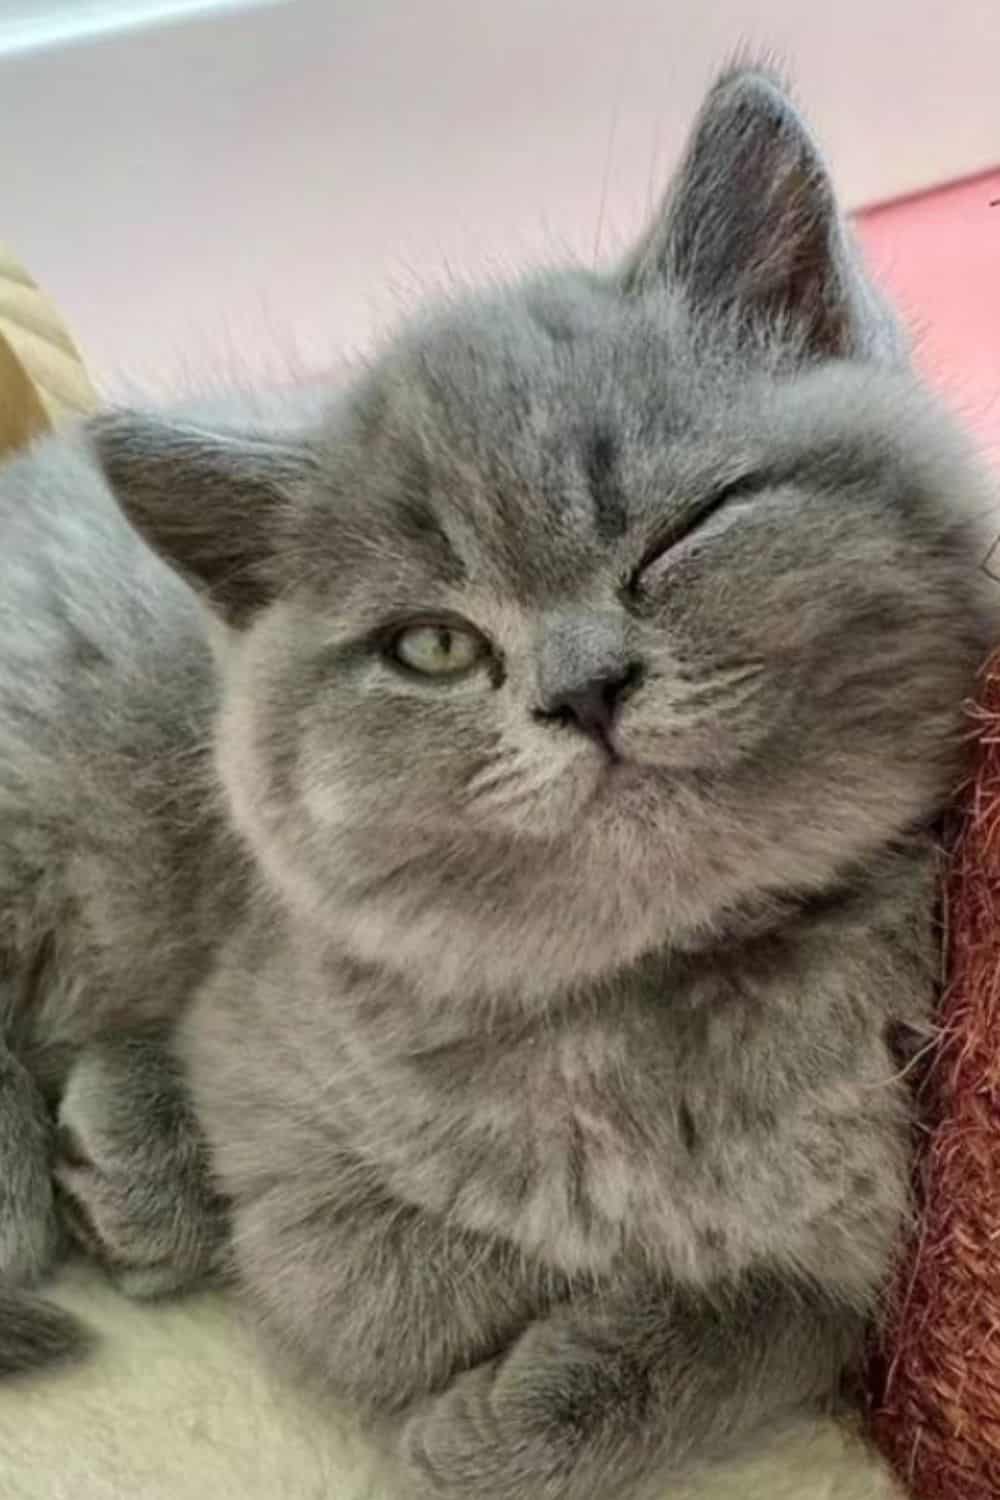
551, 387
533, 437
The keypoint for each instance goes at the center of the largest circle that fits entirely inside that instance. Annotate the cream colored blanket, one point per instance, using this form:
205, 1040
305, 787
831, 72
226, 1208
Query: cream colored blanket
180, 1403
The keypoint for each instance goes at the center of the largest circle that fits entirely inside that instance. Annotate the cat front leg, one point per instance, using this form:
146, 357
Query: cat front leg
133, 1170
383, 1301
608, 1396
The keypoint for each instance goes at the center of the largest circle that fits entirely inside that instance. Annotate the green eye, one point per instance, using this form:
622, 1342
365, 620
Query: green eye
437, 650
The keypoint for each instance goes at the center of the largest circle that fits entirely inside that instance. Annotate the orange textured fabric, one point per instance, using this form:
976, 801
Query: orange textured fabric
938, 1414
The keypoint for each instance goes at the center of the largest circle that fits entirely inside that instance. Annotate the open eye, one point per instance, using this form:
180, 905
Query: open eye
437, 650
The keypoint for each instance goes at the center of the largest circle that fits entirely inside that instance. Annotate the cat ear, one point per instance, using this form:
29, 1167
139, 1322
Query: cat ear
211, 503
750, 226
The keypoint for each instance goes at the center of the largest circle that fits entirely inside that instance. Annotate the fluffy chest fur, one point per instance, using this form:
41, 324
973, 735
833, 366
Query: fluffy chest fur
703, 1114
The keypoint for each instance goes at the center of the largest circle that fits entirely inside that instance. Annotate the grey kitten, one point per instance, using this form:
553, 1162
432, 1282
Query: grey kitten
525, 873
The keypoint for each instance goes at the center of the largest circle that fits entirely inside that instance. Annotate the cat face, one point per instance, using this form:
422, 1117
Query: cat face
601, 608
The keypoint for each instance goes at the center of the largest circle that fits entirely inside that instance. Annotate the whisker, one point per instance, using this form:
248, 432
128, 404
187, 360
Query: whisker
730, 676
522, 791
736, 685
480, 786
487, 767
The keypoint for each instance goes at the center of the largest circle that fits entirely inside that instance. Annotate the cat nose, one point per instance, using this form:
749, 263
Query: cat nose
585, 672
593, 706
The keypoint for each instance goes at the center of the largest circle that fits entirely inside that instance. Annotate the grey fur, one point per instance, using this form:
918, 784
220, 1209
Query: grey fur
548, 1076
141, 1200
36, 1334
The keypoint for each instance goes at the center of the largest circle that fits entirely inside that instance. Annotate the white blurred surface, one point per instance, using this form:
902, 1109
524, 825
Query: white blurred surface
261, 186
27, 24
180, 1403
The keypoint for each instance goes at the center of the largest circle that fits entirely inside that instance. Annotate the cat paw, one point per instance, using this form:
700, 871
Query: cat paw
30, 1235
132, 1173
517, 1426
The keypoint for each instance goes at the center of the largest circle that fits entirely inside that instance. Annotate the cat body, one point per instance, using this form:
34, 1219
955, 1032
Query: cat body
484, 930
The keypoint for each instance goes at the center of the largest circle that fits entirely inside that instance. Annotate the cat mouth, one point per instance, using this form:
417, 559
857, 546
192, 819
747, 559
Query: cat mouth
611, 750
618, 774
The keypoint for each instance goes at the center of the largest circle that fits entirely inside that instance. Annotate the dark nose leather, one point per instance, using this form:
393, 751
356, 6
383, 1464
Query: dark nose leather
592, 706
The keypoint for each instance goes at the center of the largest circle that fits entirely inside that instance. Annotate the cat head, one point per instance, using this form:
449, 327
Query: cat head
601, 607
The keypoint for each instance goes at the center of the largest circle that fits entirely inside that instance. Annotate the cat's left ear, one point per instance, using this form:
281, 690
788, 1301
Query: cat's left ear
750, 231
213, 504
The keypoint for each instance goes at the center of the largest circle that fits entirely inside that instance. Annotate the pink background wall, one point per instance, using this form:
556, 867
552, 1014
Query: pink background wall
253, 188
939, 257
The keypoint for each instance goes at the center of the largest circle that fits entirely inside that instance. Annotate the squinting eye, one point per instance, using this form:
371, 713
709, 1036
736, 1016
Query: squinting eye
437, 650
742, 488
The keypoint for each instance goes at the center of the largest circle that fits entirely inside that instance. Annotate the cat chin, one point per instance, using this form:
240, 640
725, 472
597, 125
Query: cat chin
576, 924
572, 910
598, 796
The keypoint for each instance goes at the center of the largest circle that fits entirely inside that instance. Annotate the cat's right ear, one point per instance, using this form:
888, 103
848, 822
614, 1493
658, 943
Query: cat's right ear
213, 504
